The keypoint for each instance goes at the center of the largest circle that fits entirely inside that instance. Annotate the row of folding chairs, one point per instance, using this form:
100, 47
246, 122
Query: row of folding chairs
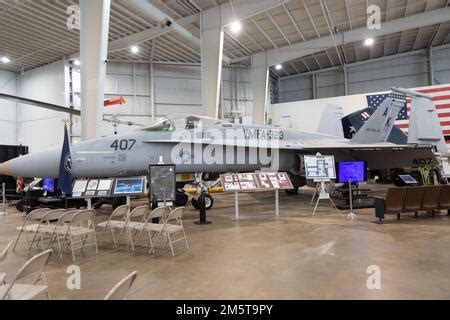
74, 229
141, 221
30, 281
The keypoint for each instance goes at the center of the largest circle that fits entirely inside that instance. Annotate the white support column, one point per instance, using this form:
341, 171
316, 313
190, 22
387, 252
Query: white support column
260, 72
94, 47
212, 52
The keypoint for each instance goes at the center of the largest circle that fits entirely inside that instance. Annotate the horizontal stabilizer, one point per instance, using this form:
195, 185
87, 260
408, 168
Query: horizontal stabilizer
41, 104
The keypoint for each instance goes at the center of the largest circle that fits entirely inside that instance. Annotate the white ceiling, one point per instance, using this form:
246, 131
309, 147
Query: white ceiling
34, 32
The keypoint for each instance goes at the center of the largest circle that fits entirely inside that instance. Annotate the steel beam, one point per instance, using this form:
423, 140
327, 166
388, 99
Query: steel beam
94, 51
212, 36
282, 54
260, 73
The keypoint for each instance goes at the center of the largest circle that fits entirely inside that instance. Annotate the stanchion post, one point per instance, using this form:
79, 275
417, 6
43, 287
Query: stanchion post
351, 215
4, 212
277, 202
236, 205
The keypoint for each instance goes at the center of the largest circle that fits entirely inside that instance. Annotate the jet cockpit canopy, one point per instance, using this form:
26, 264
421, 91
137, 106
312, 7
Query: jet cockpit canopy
182, 122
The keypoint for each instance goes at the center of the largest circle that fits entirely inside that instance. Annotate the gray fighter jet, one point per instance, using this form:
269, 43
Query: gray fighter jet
199, 144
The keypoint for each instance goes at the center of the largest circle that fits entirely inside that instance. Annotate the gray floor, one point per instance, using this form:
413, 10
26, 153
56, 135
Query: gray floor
294, 257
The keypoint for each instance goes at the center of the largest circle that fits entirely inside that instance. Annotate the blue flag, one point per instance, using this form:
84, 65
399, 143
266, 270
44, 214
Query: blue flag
65, 167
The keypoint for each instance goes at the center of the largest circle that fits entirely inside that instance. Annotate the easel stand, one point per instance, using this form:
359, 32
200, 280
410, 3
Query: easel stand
351, 215
323, 194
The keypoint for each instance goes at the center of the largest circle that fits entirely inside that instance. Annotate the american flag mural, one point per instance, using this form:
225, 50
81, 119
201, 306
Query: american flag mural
441, 98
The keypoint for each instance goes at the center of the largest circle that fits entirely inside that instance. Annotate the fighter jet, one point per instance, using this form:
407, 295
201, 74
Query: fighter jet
198, 144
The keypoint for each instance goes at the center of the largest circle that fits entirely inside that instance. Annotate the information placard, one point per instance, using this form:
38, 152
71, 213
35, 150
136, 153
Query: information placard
319, 167
256, 181
162, 182
89, 188
129, 186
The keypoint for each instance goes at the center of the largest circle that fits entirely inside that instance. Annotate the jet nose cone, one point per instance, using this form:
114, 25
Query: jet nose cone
5, 168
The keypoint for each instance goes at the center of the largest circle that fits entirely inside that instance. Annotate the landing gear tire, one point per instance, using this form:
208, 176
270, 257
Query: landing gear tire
181, 199
20, 206
209, 202
291, 192
97, 205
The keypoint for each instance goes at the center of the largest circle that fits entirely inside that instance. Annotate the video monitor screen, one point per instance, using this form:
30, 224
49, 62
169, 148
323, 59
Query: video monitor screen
356, 171
129, 186
49, 184
407, 179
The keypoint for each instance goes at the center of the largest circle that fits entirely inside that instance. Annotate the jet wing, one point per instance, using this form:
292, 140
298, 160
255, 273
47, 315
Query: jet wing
378, 156
310, 144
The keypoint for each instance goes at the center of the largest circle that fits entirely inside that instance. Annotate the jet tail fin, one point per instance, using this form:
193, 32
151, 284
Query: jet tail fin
424, 124
379, 126
331, 123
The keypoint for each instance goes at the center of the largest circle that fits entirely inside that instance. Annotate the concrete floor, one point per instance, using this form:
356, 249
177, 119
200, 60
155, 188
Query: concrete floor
294, 257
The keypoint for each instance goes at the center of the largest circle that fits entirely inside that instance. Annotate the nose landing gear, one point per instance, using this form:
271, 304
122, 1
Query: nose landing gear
209, 202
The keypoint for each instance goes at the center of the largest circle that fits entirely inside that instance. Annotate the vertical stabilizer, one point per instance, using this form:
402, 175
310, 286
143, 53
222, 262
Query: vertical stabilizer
331, 123
379, 126
424, 124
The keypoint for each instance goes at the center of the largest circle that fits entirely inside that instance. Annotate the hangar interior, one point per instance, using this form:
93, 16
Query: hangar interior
275, 64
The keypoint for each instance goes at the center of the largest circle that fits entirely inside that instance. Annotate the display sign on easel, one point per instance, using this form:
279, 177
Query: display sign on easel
162, 183
320, 169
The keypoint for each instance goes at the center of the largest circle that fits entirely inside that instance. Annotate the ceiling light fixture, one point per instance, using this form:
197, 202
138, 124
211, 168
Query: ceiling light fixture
134, 49
5, 60
278, 67
236, 26
369, 41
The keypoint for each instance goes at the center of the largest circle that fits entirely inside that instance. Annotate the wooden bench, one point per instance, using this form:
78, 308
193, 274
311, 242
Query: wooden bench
413, 200
391, 203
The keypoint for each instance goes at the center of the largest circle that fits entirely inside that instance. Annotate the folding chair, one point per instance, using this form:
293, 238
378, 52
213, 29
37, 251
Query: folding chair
45, 225
175, 228
149, 227
3, 256
59, 228
30, 225
121, 289
79, 229
137, 217
33, 267
116, 220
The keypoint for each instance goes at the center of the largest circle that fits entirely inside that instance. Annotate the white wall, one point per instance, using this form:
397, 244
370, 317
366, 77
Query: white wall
441, 63
405, 70
8, 109
40, 128
177, 90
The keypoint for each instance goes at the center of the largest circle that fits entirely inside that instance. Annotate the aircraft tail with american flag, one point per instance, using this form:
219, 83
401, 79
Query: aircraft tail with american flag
379, 126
